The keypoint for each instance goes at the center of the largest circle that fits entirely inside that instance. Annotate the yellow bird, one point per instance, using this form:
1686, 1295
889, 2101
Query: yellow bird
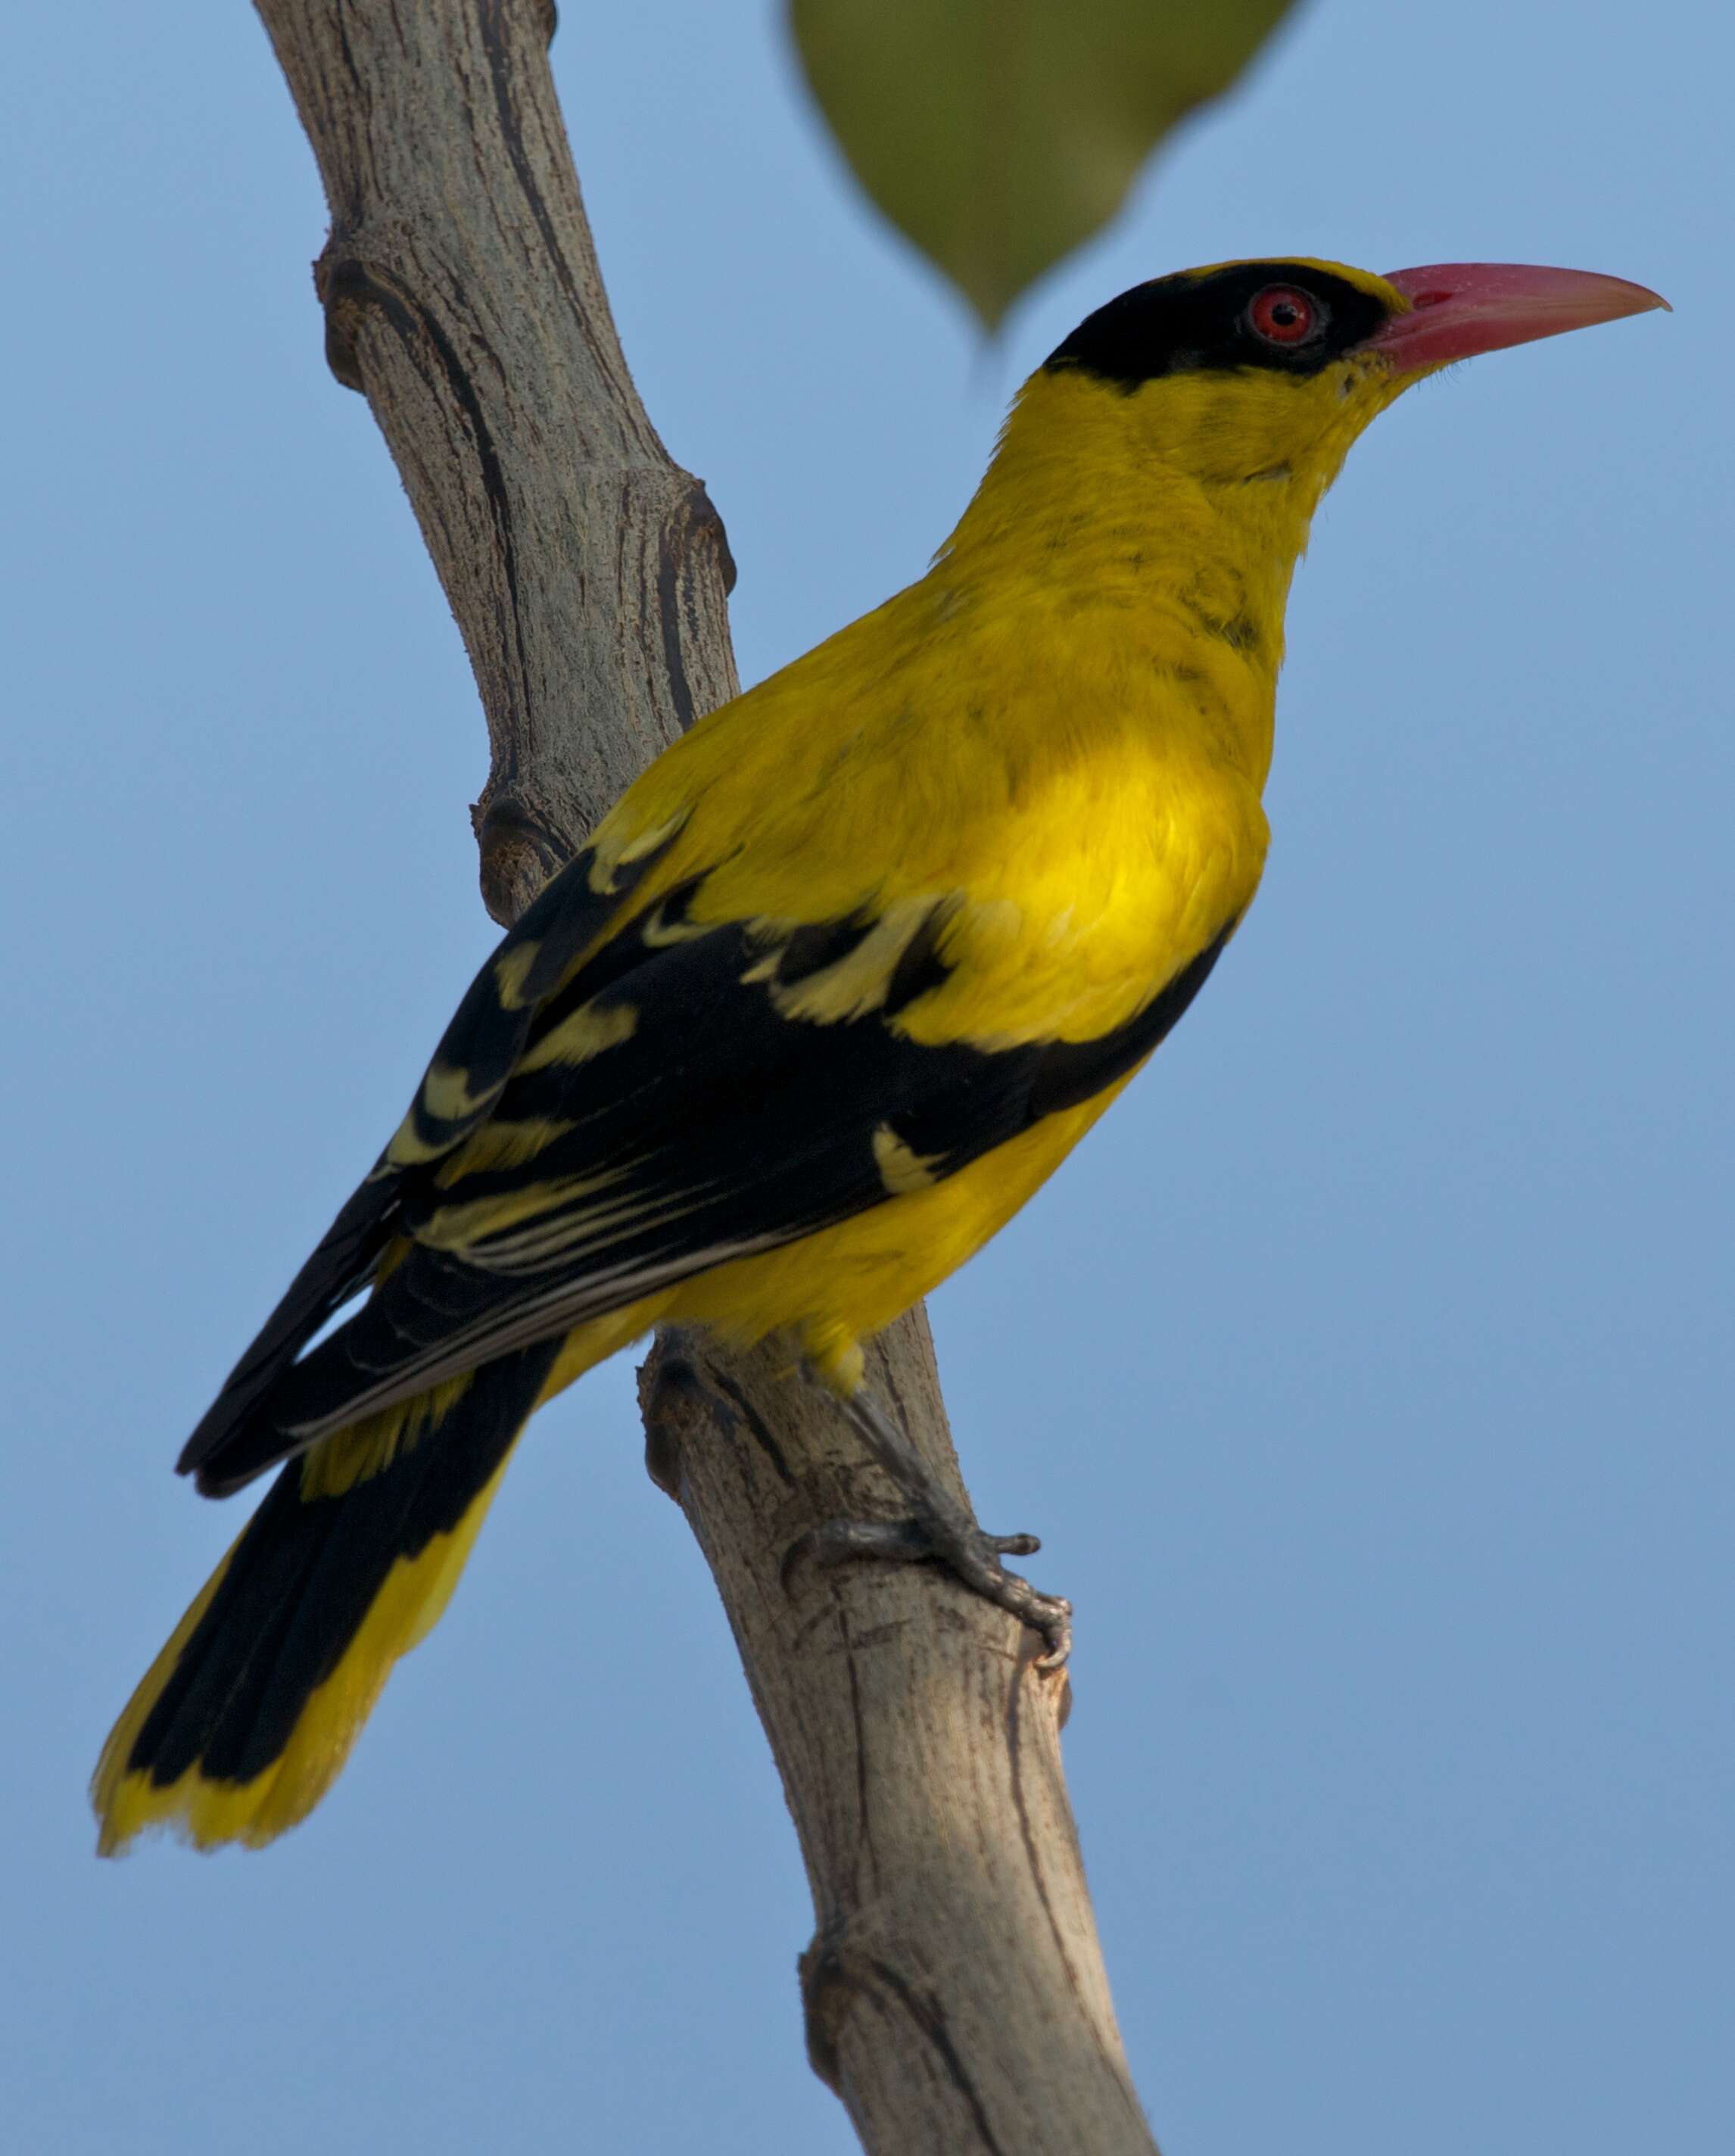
836, 985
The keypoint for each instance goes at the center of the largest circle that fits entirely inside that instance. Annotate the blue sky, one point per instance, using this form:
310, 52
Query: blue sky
1368, 1373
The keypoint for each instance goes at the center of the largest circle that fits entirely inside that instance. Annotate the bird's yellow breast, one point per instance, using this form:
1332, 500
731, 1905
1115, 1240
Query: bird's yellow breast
1046, 756
1061, 732
1067, 723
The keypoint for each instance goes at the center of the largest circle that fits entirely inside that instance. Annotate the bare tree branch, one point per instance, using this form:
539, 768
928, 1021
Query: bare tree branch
954, 1990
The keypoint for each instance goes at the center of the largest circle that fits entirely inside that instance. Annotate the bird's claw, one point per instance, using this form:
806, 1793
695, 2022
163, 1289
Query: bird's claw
971, 1556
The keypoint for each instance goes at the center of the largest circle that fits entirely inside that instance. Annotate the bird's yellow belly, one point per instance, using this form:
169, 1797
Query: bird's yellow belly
831, 1290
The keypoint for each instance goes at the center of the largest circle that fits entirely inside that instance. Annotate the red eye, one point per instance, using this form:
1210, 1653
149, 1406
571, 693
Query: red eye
1282, 314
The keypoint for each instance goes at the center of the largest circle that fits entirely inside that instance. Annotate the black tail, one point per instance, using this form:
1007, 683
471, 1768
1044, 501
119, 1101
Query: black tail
249, 1712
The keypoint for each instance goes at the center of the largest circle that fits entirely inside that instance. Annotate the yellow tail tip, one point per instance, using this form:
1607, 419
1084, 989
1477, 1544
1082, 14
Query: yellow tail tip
208, 1810
204, 1814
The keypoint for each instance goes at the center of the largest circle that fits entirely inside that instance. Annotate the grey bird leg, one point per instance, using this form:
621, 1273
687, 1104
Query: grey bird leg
938, 1530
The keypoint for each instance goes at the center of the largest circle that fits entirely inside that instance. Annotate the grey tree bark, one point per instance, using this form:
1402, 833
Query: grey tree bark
954, 1991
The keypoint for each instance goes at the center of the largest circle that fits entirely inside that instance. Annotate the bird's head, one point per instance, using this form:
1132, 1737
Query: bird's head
1267, 371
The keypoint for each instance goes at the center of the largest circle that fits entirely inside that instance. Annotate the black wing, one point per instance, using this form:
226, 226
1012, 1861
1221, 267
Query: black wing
461, 1087
666, 1112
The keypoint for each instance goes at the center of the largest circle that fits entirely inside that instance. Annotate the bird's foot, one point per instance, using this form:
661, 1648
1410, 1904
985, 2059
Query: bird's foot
969, 1553
938, 1530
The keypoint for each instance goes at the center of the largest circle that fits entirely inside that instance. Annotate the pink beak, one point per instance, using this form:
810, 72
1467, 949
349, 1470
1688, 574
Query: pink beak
1458, 309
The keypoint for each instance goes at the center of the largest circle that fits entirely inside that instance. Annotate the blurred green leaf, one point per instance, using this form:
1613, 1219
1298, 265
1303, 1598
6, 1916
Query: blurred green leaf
999, 134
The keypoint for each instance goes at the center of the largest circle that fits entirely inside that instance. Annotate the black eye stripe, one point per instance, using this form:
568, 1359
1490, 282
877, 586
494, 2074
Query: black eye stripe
1188, 324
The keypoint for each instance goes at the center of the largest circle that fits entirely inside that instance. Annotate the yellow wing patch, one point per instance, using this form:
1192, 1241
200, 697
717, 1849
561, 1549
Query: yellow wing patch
512, 970
656, 930
498, 1145
466, 1222
444, 1097
902, 1170
858, 982
592, 1029
613, 852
